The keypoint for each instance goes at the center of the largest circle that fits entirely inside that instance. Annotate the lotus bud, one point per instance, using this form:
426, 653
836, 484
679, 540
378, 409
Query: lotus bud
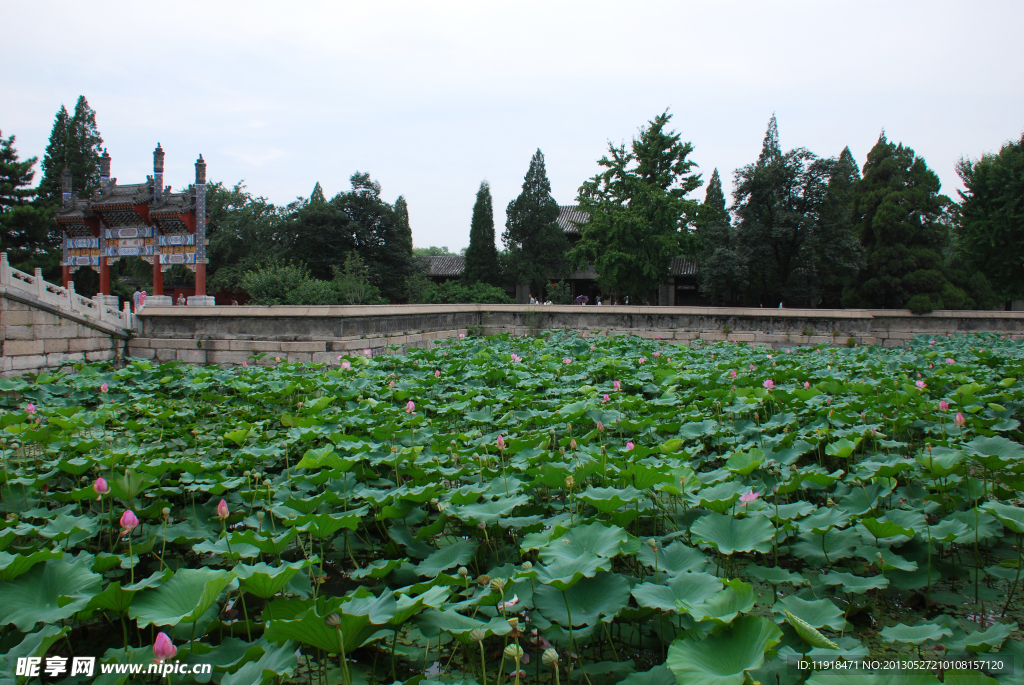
498, 584
129, 520
266, 483
247, 474
100, 487
527, 565
550, 657
652, 543
260, 516
333, 620
513, 651
572, 444
463, 572
163, 648
570, 482
477, 635
166, 511
222, 510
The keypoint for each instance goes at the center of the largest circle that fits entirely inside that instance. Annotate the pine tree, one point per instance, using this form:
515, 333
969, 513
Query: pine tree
482, 253
75, 143
318, 194
902, 221
839, 253
405, 229
640, 217
535, 243
723, 273
26, 231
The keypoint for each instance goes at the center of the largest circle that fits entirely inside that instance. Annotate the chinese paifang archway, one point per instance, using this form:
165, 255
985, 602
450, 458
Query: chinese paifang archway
141, 220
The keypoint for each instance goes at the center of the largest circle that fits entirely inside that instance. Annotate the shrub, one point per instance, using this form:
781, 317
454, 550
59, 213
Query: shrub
456, 292
559, 293
291, 284
921, 304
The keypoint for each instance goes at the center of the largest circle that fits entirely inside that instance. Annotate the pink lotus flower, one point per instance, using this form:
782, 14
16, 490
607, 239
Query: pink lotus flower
222, 510
959, 420
659, 336
600, 426
769, 384
949, 360
501, 443
339, 357
245, 363
100, 487
410, 407
931, 342
30, 408
943, 405
749, 497
591, 348
163, 648
277, 359
921, 385
572, 444
605, 399
567, 361
732, 374
751, 367
129, 521
462, 335
368, 352
630, 445
615, 384
807, 384
104, 387
392, 384
346, 365
642, 360
769, 356
437, 373
787, 350
657, 354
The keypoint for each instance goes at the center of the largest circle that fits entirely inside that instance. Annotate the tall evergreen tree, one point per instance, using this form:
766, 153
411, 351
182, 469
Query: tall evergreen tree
990, 235
318, 194
26, 231
405, 229
640, 217
839, 253
482, 253
75, 143
535, 242
903, 225
722, 268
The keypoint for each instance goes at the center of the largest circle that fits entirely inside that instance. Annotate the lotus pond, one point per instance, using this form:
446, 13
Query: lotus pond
519, 510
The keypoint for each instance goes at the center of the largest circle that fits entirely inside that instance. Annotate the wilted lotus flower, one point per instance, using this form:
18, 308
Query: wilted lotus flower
30, 408
501, 443
163, 648
749, 497
921, 385
129, 521
617, 385
959, 420
277, 359
630, 445
104, 388
100, 487
410, 407
605, 399
943, 405
769, 384
222, 510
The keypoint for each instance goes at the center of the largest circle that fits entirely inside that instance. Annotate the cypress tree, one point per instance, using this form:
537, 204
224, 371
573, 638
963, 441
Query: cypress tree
901, 219
75, 143
27, 233
723, 272
482, 253
535, 242
318, 194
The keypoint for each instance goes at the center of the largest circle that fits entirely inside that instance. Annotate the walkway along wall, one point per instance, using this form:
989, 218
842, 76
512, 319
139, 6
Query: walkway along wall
230, 335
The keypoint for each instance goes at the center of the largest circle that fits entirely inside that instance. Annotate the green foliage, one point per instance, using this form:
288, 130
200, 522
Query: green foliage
535, 243
27, 232
903, 224
431, 251
990, 230
559, 293
75, 144
424, 291
243, 232
293, 285
640, 218
482, 254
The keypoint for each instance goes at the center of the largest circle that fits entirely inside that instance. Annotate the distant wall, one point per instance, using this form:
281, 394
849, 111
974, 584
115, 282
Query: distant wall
229, 335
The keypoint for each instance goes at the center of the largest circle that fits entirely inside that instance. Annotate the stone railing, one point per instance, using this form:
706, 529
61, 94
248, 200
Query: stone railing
66, 299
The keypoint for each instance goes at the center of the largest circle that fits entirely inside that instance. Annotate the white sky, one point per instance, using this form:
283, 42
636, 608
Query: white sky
432, 97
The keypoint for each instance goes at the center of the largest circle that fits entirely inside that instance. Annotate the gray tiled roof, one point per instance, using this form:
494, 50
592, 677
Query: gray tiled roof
115, 195
681, 266
569, 216
444, 266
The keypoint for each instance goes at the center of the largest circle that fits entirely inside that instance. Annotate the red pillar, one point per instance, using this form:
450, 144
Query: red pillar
104, 277
66, 274
158, 276
200, 279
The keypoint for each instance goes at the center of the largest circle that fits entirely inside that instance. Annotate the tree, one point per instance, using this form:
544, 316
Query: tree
318, 194
535, 242
640, 218
482, 254
27, 232
990, 233
839, 253
902, 221
245, 233
75, 143
722, 268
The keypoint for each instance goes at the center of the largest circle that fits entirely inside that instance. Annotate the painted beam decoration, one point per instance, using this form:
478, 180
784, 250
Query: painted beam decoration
143, 220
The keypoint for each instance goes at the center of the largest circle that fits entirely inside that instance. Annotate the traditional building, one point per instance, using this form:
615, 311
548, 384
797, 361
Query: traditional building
143, 220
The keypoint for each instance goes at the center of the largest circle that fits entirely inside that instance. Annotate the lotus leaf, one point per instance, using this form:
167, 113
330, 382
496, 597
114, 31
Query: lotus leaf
588, 601
447, 557
182, 599
564, 573
915, 635
809, 633
279, 661
604, 541
724, 606
726, 657
264, 580
55, 593
729, 535
819, 613
679, 594
673, 559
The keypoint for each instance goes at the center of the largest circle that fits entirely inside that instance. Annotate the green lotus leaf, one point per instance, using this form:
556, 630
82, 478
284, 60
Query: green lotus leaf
818, 613
854, 585
130, 485
13, 565
723, 658
49, 595
607, 500
117, 599
982, 641
326, 525
596, 538
490, 512
775, 575
679, 594
809, 633
673, 559
276, 662
565, 573
434, 622
222, 548
723, 607
729, 535
915, 635
456, 554
1000, 450
890, 560
842, 448
378, 569
264, 580
824, 520
360, 614
407, 606
885, 529
830, 547
745, 463
182, 599
35, 644
659, 675
947, 530
719, 498
268, 545
789, 512
63, 527
588, 601
963, 677
1011, 517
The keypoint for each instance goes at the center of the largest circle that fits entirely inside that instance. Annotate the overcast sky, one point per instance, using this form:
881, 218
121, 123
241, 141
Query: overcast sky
432, 97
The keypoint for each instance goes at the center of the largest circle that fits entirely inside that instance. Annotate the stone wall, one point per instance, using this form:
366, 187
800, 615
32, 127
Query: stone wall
229, 335
37, 336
